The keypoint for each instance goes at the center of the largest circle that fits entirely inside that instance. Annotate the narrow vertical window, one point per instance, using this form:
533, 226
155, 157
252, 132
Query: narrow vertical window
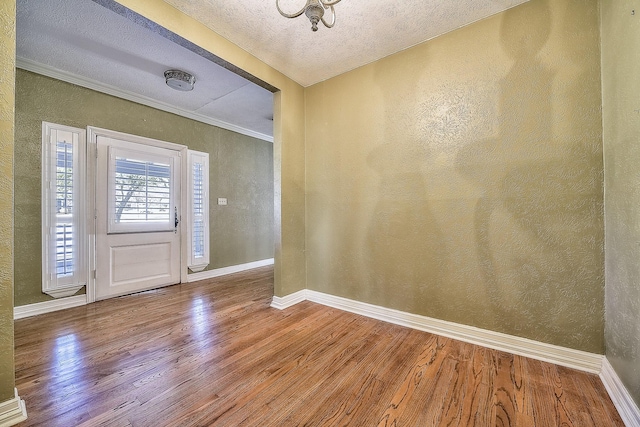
198, 222
63, 152
64, 205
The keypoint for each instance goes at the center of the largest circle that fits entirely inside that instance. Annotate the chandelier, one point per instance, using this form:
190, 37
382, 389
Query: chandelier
314, 9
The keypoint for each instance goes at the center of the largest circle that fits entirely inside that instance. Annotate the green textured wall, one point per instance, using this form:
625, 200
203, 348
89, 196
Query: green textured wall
7, 76
621, 119
462, 179
241, 169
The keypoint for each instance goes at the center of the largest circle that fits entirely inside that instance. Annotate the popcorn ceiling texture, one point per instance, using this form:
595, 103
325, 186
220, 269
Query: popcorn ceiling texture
7, 77
621, 119
462, 179
365, 31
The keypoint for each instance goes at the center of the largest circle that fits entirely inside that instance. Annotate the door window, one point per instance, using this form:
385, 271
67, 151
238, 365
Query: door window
141, 192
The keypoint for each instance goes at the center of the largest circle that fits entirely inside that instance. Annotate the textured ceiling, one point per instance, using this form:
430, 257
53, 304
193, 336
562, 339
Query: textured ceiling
86, 40
365, 30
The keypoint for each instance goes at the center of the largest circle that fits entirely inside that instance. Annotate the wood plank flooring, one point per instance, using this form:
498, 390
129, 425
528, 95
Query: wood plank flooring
213, 353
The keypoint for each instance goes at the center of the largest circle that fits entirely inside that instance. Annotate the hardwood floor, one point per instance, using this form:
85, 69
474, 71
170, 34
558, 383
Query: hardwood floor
213, 353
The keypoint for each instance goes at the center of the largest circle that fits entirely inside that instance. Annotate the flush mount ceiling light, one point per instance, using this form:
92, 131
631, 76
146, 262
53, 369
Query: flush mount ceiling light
179, 80
314, 9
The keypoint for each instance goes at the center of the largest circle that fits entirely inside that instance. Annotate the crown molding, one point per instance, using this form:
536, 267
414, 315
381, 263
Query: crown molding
45, 70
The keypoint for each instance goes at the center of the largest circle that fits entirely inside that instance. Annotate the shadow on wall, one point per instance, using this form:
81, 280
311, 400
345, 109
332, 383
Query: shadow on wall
467, 185
403, 251
538, 220
623, 270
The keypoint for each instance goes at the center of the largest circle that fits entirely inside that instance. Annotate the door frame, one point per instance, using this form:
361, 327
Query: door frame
92, 156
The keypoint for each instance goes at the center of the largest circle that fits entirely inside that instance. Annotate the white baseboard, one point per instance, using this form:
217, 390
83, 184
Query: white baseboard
29, 310
12, 411
193, 277
624, 403
287, 301
576, 359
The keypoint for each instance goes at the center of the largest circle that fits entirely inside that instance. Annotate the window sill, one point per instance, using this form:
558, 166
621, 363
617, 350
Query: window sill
199, 267
63, 292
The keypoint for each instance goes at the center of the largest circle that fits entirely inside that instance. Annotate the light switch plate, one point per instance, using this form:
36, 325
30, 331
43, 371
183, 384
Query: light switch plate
222, 201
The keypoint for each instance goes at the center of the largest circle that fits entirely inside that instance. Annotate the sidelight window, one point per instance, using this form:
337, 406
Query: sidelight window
63, 234
198, 215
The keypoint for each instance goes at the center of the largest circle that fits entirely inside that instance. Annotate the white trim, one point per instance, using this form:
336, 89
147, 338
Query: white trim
122, 139
12, 411
52, 284
65, 76
624, 403
29, 310
289, 300
64, 292
563, 356
193, 277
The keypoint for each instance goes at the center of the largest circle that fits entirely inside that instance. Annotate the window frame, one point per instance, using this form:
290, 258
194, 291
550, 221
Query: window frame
197, 263
52, 284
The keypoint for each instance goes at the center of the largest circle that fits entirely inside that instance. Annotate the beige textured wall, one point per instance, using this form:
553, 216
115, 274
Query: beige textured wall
241, 169
7, 77
289, 145
621, 119
462, 179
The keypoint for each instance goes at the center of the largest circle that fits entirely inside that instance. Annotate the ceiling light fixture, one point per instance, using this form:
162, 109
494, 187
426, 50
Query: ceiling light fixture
314, 9
179, 80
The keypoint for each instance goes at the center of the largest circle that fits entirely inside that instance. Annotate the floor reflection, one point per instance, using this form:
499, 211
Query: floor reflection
200, 318
66, 352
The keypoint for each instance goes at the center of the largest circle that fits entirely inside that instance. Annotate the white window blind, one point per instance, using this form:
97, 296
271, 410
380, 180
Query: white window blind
140, 192
64, 204
198, 215
63, 216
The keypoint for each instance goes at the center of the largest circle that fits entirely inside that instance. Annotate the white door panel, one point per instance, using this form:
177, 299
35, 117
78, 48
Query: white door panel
137, 206
131, 264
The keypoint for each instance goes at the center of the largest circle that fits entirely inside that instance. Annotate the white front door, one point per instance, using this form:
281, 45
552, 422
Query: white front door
137, 214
